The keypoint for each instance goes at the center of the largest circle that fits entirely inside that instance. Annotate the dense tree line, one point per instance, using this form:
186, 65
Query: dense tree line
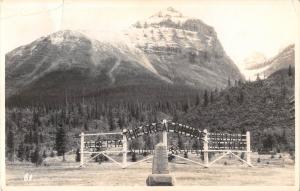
41, 128
262, 107
47, 128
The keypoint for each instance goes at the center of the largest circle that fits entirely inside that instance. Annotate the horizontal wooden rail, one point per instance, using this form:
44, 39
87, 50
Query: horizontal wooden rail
97, 134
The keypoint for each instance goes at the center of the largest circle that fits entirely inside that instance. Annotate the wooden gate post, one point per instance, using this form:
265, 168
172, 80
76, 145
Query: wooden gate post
165, 133
205, 147
81, 149
124, 150
248, 147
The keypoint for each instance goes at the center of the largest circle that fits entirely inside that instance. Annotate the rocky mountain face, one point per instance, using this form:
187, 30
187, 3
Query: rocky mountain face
183, 49
266, 67
168, 49
71, 60
255, 60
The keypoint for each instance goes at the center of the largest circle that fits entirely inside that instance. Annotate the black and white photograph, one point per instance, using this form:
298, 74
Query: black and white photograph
150, 93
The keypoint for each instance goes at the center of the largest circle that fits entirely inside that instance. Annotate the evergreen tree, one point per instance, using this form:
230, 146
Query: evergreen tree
258, 160
205, 103
283, 92
61, 142
145, 25
36, 157
52, 154
135, 144
185, 155
197, 99
175, 116
21, 152
241, 97
133, 157
290, 72
138, 25
229, 82
86, 127
44, 154
36, 137
148, 142
10, 144
186, 106
77, 159
111, 121
27, 153
41, 138
270, 141
211, 97
180, 143
240, 82
228, 99
196, 145
257, 77
121, 122
242, 155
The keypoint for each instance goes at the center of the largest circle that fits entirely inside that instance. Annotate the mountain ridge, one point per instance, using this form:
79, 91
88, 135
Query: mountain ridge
183, 56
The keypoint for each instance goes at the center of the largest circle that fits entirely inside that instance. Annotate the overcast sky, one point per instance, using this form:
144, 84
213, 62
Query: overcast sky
243, 27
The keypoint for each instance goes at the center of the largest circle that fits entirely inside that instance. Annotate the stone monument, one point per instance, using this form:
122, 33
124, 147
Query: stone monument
160, 170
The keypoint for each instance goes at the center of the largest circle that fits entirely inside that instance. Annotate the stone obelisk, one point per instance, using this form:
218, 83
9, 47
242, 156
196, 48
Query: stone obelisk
160, 170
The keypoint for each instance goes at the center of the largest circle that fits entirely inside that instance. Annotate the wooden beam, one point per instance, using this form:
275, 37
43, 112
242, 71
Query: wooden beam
91, 152
241, 159
205, 148
191, 161
139, 161
248, 148
97, 134
219, 158
124, 159
112, 159
226, 150
90, 159
81, 149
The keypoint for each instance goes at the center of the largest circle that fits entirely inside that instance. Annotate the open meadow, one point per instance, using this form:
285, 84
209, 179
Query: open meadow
268, 172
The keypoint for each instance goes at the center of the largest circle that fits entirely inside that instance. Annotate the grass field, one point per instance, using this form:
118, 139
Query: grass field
186, 174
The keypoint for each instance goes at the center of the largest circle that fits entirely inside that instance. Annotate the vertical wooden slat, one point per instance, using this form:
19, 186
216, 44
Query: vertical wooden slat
124, 151
81, 149
205, 147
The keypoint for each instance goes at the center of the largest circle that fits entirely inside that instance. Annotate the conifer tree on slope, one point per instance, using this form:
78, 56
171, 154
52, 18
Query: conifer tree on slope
61, 141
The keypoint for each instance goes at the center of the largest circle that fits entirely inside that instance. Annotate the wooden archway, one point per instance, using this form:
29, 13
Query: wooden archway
165, 126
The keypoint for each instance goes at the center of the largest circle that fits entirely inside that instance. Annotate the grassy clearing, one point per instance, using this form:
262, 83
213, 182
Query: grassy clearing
108, 174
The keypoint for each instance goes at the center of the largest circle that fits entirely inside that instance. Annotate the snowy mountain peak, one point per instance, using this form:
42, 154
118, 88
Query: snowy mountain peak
182, 48
65, 35
173, 19
165, 48
168, 18
169, 12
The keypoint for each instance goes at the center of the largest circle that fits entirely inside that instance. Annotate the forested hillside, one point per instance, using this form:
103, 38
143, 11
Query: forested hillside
34, 126
261, 107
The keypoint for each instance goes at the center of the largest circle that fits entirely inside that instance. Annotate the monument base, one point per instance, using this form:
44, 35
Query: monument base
160, 180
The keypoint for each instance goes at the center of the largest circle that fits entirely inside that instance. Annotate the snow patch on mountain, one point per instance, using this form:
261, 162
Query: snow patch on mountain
167, 15
259, 65
166, 47
110, 73
121, 47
